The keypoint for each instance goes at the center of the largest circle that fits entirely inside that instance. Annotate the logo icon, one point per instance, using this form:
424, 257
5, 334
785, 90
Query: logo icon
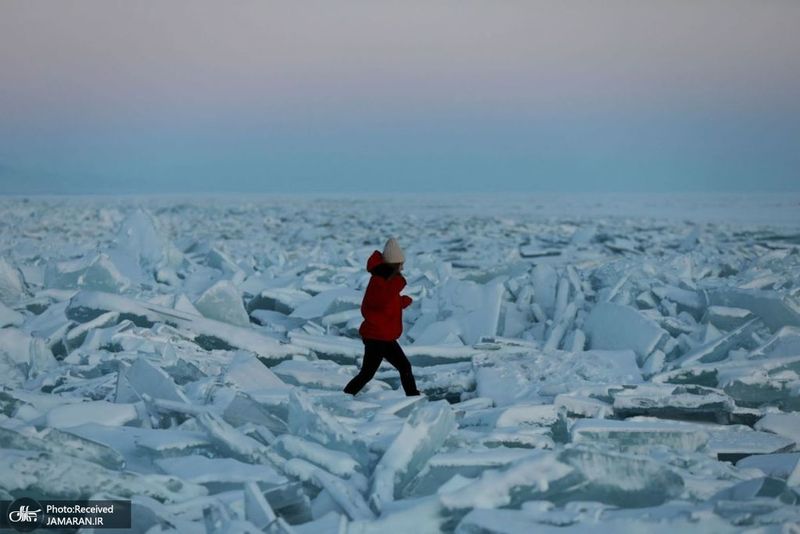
25, 514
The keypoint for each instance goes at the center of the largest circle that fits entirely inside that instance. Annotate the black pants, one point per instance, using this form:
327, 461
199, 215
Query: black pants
374, 352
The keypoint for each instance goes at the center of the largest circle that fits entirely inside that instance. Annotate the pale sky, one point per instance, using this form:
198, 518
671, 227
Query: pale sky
114, 96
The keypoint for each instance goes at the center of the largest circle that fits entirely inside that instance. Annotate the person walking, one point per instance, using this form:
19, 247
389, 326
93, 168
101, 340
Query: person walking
382, 308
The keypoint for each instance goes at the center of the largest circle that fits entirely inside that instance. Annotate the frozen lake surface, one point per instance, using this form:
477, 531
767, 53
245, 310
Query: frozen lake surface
613, 362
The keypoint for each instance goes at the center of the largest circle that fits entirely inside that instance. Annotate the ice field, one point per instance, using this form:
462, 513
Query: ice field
592, 363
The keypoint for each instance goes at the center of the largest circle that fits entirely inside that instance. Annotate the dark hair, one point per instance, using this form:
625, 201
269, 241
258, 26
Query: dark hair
384, 270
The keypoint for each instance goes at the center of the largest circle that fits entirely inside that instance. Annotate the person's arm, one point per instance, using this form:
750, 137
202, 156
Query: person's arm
398, 282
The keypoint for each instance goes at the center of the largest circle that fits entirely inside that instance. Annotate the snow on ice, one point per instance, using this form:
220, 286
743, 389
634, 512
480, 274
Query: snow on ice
581, 370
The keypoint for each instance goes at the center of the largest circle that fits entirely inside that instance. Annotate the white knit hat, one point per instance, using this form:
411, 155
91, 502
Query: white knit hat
392, 253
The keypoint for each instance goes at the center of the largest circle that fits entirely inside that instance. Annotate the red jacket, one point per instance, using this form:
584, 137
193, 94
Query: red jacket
383, 304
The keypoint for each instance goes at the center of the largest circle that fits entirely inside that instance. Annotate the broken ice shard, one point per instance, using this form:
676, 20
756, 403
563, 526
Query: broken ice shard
223, 302
528, 478
56, 476
616, 326
675, 402
422, 434
310, 420
86, 305
638, 436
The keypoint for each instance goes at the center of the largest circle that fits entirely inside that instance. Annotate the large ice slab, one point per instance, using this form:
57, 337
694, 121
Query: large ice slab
775, 309
618, 479
468, 463
782, 424
780, 465
527, 478
248, 374
717, 349
687, 299
732, 445
522, 437
538, 375
144, 377
124, 440
310, 420
335, 462
104, 412
616, 327
233, 442
322, 374
202, 470
674, 401
24, 356
774, 382
439, 354
727, 318
756, 489
446, 332
482, 317
140, 243
750, 383
336, 348
223, 302
99, 273
12, 285
170, 442
342, 492
582, 403
42, 475
446, 381
86, 305
422, 434
280, 299
518, 414
9, 317
259, 512
461, 310
57, 442
638, 436
326, 302
785, 342
545, 280
726, 442
421, 515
